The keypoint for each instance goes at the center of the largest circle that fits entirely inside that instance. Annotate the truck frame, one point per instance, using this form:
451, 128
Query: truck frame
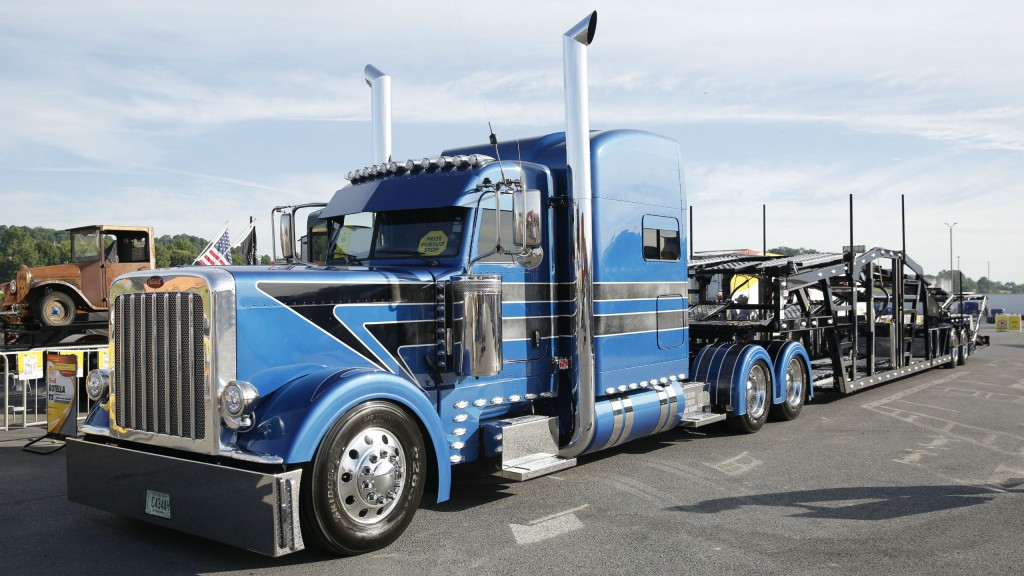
521, 309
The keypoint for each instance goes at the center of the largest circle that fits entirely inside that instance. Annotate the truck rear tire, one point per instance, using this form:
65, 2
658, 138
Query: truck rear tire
366, 480
964, 349
759, 384
56, 309
796, 384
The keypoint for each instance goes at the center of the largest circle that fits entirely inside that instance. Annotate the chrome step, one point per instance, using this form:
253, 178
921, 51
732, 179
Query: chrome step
528, 446
534, 465
698, 419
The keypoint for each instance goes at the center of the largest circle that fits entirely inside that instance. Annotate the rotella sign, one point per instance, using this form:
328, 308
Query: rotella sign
61, 388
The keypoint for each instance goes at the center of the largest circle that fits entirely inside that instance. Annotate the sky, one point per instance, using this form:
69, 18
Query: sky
183, 115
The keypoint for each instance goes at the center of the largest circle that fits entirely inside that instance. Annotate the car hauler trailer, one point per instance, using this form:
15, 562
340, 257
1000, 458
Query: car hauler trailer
523, 310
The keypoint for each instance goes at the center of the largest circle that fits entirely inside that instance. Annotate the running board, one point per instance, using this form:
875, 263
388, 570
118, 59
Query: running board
528, 446
698, 419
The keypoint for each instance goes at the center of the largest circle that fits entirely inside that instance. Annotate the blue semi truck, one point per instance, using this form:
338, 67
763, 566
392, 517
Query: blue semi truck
521, 303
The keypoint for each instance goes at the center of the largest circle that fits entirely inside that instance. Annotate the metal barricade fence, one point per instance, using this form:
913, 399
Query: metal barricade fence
24, 399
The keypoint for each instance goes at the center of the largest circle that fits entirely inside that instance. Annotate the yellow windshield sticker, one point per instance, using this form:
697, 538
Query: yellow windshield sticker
344, 239
433, 243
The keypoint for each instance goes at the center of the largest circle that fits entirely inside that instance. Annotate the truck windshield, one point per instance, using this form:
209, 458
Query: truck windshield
85, 246
429, 233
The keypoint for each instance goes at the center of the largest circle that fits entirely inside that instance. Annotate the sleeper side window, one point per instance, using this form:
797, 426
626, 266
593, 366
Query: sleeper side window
661, 238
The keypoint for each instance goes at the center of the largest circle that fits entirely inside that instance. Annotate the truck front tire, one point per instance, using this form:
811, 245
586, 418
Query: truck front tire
56, 309
366, 480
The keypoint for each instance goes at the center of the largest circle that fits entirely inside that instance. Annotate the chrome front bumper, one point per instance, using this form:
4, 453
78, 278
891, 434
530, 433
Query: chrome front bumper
251, 510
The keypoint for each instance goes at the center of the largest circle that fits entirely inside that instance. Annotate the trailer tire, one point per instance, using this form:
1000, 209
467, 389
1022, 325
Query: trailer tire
758, 391
56, 309
796, 385
366, 480
954, 351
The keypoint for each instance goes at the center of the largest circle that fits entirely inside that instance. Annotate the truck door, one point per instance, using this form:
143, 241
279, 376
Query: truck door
528, 297
87, 252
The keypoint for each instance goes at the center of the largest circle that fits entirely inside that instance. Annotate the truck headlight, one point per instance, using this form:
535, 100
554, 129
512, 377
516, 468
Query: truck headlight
237, 401
97, 384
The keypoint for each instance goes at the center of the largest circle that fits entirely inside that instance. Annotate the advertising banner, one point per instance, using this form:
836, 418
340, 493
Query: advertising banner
1002, 323
61, 394
30, 365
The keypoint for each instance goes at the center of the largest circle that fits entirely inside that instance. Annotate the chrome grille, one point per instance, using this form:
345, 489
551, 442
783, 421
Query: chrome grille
160, 364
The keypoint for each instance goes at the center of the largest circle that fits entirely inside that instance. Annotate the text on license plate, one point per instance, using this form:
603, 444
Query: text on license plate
158, 504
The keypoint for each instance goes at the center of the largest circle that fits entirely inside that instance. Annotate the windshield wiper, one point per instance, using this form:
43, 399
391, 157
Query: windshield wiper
428, 259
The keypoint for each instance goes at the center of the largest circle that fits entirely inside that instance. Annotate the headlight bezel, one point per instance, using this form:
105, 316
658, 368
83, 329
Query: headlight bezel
237, 403
97, 384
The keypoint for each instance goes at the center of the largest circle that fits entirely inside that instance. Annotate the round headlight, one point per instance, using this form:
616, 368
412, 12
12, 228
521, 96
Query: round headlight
97, 383
233, 400
237, 401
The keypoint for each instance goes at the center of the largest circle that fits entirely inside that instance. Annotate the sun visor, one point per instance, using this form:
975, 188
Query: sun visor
405, 192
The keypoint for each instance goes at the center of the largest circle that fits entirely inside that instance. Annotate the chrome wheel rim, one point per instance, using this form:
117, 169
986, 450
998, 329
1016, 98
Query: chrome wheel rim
757, 391
795, 378
371, 476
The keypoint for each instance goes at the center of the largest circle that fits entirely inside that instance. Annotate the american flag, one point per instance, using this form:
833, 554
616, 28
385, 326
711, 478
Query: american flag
218, 253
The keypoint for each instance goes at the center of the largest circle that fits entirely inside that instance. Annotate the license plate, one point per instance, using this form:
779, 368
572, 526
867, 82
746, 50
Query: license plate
158, 504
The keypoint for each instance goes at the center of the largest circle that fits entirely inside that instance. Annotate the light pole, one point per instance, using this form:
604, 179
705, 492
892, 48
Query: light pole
951, 253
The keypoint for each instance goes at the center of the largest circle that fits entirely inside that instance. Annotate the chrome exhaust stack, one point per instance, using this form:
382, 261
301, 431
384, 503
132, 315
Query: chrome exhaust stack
577, 150
380, 110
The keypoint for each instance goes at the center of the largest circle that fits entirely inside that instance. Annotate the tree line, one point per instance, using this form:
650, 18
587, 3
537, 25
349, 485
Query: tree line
22, 245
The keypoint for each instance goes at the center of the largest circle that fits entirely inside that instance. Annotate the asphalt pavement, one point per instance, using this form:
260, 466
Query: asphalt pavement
920, 476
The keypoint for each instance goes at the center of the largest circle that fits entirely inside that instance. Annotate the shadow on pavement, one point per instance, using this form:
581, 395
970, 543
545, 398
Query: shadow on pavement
865, 503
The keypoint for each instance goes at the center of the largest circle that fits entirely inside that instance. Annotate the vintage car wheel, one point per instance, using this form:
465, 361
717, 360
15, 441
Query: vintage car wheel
366, 480
56, 309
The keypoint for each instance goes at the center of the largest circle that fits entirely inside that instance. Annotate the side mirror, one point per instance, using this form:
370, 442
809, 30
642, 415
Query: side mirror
287, 237
526, 231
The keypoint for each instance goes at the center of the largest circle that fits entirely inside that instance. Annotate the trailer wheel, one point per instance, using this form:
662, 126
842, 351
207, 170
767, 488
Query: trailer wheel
55, 309
954, 351
796, 390
759, 383
366, 480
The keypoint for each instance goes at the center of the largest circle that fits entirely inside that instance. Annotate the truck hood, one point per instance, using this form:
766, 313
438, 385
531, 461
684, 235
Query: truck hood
27, 277
333, 317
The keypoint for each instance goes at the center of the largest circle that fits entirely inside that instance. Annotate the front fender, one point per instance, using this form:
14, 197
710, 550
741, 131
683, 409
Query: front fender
39, 286
293, 420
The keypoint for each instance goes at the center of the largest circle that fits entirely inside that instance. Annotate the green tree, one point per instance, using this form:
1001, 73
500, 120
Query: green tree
16, 249
787, 251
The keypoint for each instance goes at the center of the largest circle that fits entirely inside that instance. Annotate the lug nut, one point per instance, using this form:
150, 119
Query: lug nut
366, 470
373, 458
